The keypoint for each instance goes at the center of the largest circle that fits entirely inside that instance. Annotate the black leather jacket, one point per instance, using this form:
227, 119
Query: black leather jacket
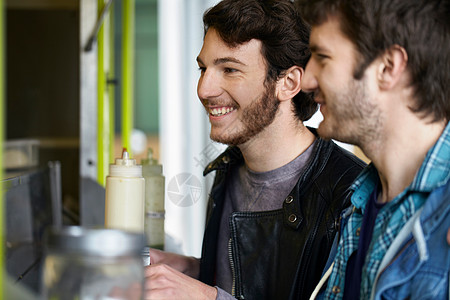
280, 254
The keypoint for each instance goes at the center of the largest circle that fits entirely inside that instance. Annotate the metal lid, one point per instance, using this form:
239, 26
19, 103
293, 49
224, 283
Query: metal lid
98, 242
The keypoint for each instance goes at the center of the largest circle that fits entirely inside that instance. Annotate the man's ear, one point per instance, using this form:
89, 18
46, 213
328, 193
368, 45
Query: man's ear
290, 84
392, 67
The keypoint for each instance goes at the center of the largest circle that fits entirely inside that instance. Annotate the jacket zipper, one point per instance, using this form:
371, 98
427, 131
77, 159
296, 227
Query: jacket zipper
230, 257
236, 288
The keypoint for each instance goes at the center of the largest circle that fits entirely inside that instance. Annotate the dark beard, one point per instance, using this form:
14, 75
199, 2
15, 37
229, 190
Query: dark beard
255, 118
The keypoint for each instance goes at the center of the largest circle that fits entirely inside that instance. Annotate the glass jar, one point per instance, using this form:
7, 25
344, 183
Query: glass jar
87, 264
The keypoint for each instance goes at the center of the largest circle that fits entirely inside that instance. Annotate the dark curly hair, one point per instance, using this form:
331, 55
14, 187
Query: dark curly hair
283, 34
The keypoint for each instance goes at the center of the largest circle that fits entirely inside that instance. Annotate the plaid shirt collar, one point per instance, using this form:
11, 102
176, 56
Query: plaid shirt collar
433, 173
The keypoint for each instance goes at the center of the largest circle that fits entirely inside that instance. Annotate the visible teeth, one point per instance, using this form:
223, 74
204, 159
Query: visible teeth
220, 111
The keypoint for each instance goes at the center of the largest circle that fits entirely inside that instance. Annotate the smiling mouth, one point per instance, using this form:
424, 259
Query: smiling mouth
217, 112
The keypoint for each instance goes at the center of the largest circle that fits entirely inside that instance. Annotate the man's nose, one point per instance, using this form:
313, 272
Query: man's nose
309, 82
208, 85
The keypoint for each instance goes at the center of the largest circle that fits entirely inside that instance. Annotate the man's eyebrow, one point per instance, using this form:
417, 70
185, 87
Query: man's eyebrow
316, 48
223, 60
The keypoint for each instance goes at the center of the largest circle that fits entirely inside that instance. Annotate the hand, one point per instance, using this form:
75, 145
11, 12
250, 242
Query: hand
164, 282
133, 292
185, 264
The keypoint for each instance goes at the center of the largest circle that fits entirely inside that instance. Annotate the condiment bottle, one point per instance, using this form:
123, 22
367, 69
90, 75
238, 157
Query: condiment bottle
154, 201
125, 188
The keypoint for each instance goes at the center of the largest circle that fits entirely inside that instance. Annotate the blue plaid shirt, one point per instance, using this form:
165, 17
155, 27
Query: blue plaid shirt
434, 172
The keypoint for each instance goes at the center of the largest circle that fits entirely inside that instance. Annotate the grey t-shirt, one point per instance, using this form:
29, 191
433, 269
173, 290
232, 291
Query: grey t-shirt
253, 191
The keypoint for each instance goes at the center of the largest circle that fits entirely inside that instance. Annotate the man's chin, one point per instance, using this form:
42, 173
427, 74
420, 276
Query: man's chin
329, 133
221, 140
324, 132
230, 141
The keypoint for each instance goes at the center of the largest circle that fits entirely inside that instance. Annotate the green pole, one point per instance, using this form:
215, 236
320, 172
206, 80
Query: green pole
102, 119
100, 101
105, 94
127, 72
2, 119
111, 87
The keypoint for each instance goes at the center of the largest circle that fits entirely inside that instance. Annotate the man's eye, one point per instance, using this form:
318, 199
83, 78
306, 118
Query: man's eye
202, 69
229, 70
320, 56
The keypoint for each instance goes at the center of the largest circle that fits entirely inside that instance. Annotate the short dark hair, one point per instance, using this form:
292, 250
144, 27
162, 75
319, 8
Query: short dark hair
421, 27
283, 34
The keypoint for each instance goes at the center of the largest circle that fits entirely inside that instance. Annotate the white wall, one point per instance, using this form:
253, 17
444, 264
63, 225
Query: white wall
184, 128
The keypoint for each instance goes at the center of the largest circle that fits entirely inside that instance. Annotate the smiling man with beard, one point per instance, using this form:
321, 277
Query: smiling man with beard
238, 99
279, 189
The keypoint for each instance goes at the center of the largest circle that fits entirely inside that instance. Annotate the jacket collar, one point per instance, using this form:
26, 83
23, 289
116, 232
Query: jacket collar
232, 155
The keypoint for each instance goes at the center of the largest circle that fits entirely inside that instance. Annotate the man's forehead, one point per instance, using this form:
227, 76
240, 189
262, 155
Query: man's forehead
327, 35
214, 47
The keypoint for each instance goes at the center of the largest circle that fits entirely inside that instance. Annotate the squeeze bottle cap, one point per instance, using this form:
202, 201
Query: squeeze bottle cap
150, 165
125, 166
